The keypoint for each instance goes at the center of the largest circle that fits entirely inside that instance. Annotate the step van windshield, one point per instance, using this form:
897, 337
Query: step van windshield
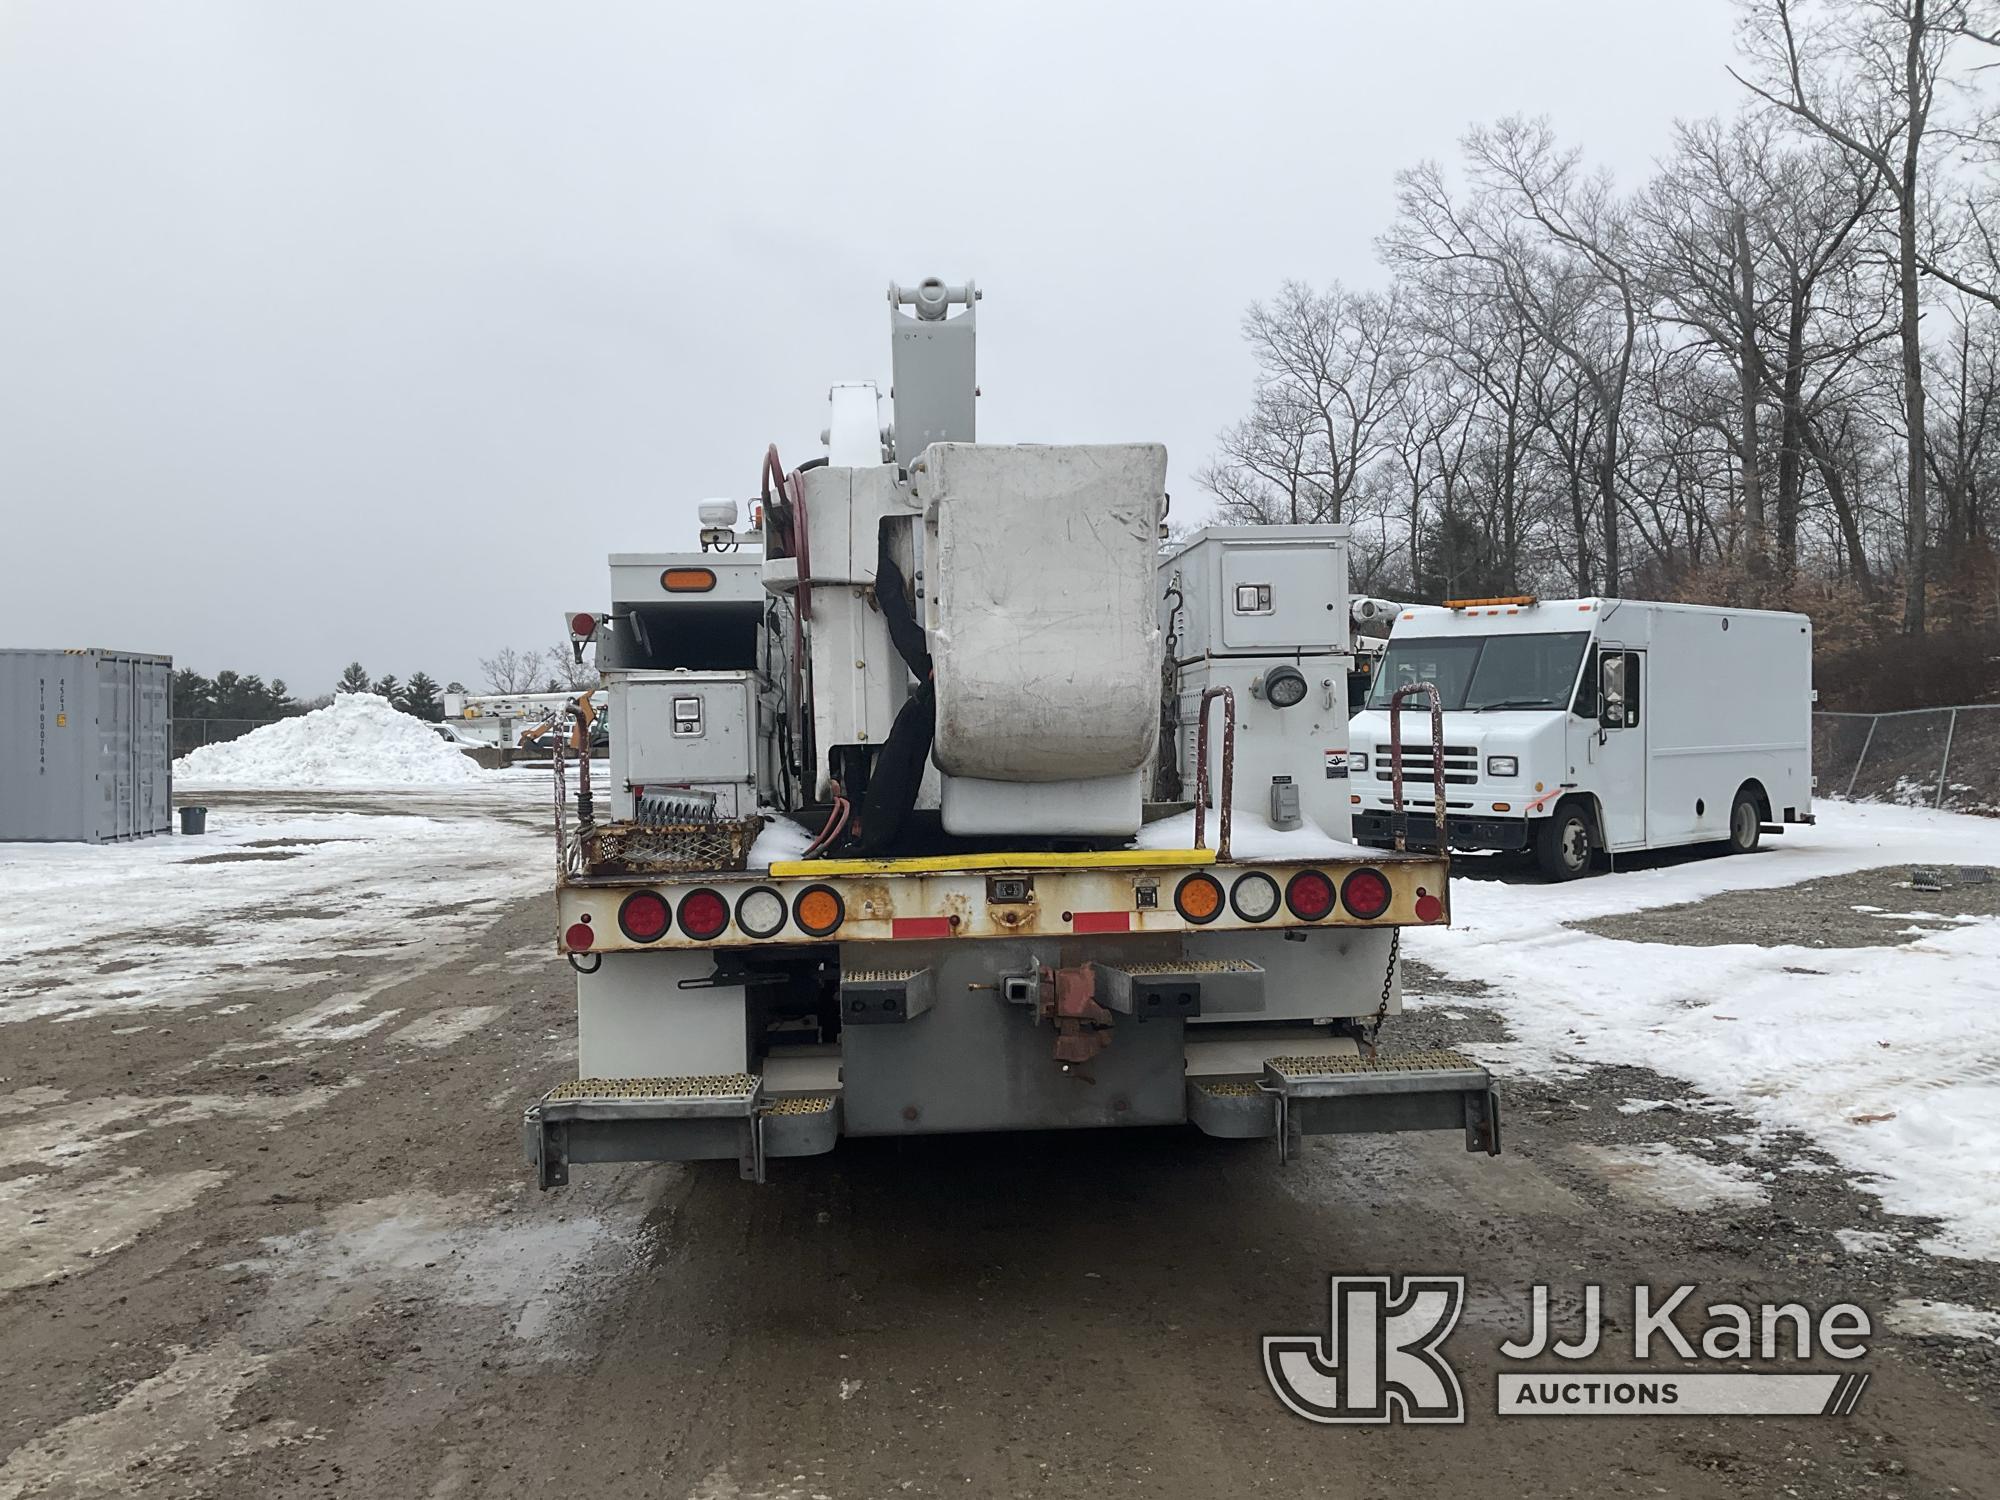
1476, 673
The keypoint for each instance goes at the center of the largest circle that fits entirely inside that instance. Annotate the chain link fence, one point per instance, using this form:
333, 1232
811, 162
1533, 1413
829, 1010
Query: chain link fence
190, 733
1924, 757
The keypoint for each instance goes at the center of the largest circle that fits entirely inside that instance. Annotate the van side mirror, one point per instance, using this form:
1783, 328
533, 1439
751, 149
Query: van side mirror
1611, 691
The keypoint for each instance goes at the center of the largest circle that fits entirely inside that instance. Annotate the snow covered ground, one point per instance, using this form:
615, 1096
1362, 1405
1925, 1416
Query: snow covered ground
1888, 1057
269, 899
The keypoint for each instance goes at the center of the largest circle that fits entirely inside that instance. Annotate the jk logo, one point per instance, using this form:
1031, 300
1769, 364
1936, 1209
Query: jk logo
1380, 1362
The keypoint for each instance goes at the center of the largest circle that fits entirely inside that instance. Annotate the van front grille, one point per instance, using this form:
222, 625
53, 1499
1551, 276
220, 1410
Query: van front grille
1461, 764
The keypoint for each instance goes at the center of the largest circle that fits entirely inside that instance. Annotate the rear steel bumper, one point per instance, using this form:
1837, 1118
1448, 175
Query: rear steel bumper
697, 1119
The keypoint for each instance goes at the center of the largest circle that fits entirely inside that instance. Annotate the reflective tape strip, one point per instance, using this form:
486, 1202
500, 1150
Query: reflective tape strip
920, 927
1102, 921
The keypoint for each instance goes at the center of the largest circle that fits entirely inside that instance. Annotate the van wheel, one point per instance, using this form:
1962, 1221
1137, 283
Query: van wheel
1746, 823
1562, 843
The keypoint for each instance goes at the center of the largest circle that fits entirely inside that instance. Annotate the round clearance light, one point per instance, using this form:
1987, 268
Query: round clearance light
703, 914
1199, 899
1254, 897
1285, 686
579, 937
819, 910
583, 626
1365, 894
1309, 894
761, 912
644, 918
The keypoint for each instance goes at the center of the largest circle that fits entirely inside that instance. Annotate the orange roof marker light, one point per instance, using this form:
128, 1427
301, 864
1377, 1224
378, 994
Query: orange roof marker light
1479, 603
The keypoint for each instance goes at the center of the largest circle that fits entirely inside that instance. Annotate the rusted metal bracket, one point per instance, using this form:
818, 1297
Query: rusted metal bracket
1069, 1001
1399, 821
1228, 697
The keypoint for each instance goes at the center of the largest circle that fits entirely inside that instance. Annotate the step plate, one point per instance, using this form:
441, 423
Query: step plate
1438, 1071
701, 1096
803, 1125
1435, 1090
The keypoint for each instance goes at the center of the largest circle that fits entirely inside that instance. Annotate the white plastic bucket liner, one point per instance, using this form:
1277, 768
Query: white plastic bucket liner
1041, 607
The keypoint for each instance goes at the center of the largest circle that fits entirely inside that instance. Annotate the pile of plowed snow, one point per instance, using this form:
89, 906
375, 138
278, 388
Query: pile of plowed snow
357, 740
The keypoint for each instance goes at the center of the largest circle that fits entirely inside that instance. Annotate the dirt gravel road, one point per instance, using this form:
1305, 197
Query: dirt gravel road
284, 1245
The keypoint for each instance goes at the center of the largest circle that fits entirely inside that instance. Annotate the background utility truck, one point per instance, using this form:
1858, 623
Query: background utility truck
1578, 726
882, 851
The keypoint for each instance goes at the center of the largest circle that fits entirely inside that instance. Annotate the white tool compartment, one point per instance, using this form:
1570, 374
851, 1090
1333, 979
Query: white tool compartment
1260, 590
686, 729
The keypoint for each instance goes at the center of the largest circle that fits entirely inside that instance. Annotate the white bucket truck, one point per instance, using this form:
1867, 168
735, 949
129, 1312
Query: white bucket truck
1579, 727
876, 856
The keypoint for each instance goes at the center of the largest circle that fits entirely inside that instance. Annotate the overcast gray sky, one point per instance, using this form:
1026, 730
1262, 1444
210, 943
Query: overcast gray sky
366, 330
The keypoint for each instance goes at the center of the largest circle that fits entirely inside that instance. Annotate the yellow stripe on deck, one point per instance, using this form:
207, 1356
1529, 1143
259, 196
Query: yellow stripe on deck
1115, 859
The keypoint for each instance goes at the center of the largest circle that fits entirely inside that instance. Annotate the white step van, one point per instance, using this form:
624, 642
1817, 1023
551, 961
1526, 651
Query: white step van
1575, 727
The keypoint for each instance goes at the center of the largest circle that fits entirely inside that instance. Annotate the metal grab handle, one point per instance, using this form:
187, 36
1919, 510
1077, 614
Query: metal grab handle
1400, 821
1228, 697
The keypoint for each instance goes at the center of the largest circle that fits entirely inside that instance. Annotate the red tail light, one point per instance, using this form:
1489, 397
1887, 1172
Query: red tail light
703, 914
583, 626
1309, 895
644, 918
579, 937
1365, 894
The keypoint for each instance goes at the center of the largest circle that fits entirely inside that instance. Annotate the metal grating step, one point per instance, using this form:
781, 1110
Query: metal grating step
803, 1104
1193, 966
1438, 1060
705, 1085
704, 1096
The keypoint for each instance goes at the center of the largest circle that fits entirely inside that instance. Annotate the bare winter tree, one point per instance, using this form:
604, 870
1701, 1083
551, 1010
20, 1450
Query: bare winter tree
1864, 75
1266, 470
563, 673
1700, 389
511, 671
1551, 244
1328, 366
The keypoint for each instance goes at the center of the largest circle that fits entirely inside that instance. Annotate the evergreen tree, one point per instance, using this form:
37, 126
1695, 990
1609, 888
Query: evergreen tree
421, 698
194, 695
353, 680
388, 687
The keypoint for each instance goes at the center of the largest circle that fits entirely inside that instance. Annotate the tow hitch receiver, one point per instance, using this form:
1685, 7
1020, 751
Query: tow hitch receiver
1437, 1090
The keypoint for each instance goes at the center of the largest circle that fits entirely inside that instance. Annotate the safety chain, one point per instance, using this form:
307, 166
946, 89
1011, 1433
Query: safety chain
1388, 984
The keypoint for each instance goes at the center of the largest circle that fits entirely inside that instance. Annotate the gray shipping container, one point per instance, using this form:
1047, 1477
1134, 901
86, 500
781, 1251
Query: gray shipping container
86, 746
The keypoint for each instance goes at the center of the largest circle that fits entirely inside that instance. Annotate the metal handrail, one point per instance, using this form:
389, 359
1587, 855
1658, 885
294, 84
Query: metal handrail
1399, 823
1228, 697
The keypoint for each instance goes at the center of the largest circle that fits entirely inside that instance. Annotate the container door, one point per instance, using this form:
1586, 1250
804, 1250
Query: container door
114, 748
153, 747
